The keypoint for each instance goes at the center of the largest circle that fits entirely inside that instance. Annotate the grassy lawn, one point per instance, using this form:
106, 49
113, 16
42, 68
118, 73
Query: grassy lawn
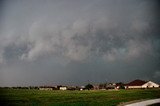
13, 97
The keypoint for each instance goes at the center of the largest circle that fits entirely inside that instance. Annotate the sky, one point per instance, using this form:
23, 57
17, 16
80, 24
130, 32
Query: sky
75, 42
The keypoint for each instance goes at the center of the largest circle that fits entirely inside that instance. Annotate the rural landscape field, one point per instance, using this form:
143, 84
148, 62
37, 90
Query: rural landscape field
79, 52
20, 97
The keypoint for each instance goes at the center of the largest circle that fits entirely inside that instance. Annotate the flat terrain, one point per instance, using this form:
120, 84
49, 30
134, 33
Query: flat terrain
15, 97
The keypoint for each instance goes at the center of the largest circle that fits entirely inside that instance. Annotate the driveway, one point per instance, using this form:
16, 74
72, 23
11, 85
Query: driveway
145, 103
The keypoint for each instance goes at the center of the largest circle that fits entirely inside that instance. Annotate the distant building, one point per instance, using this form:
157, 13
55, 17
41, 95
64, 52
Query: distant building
82, 88
111, 86
63, 88
141, 84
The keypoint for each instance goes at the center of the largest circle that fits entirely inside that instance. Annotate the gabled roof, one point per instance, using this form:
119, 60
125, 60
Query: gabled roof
136, 83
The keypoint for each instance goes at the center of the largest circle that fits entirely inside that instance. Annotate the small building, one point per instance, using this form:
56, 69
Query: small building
141, 84
111, 86
82, 88
63, 88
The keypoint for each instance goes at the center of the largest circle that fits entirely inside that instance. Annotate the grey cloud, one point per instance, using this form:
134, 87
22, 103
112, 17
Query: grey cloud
75, 40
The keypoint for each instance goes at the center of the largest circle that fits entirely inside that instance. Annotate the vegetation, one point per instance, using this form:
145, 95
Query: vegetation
89, 86
31, 97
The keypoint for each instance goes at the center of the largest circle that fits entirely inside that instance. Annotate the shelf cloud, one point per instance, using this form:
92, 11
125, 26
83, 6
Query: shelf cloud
72, 42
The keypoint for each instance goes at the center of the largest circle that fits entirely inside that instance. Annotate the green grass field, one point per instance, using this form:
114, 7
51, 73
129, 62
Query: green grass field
13, 97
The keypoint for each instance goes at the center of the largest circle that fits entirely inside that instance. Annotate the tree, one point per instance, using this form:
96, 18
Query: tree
121, 85
88, 86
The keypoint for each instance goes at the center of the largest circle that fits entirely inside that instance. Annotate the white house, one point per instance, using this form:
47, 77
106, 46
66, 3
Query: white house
141, 84
63, 88
150, 84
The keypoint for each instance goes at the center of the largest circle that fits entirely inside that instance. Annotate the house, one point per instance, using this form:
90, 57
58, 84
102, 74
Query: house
110, 86
141, 84
150, 84
82, 88
63, 88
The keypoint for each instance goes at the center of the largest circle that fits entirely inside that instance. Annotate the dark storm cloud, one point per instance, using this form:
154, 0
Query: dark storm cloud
72, 42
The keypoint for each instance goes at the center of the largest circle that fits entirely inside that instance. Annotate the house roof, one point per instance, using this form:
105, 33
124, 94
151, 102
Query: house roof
136, 83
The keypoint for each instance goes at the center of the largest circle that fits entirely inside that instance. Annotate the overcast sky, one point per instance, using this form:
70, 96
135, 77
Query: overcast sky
73, 42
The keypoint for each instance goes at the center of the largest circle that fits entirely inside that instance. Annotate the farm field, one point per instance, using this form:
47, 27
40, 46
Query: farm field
21, 97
